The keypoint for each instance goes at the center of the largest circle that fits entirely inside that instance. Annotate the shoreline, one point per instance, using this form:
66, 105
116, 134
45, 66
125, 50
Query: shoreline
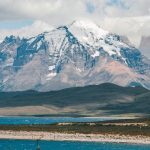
50, 136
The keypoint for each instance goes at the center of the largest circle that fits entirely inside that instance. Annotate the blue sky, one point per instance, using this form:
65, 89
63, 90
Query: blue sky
90, 7
118, 3
14, 24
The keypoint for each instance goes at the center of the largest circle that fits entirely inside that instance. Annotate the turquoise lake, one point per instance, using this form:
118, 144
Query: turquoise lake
56, 145
50, 145
47, 120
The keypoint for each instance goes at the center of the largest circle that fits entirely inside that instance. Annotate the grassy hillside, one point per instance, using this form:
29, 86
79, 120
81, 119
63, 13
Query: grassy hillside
110, 98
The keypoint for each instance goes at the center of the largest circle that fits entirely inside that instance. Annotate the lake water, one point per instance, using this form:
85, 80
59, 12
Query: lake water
51, 145
56, 145
48, 120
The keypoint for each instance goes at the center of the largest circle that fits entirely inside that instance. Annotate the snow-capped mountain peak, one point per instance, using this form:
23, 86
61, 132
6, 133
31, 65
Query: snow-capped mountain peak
86, 31
73, 55
86, 24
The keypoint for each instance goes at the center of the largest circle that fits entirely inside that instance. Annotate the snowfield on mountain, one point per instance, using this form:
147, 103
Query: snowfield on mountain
77, 54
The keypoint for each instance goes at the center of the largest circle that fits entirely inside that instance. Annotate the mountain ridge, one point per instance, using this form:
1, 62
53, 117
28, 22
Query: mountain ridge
92, 100
74, 55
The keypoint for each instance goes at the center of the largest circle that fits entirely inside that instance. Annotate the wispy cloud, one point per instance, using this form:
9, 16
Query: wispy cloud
120, 16
54, 10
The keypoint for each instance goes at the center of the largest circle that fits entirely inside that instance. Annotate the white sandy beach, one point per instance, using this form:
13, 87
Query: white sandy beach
73, 137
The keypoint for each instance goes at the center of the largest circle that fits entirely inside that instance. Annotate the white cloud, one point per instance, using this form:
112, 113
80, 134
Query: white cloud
29, 31
125, 17
33, 9
132, 27
64, 10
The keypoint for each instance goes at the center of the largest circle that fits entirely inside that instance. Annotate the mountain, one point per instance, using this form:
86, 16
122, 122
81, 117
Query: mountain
78, 54
145, 45
93, 100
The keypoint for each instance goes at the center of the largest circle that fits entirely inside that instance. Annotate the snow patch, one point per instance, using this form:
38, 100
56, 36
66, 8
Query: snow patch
39, 44
96, 54
31, 40
78, 69
86, 31
51, 67
51, 75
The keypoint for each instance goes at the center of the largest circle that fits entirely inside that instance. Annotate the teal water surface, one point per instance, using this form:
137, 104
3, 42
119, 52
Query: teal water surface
51, 145
47, 120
